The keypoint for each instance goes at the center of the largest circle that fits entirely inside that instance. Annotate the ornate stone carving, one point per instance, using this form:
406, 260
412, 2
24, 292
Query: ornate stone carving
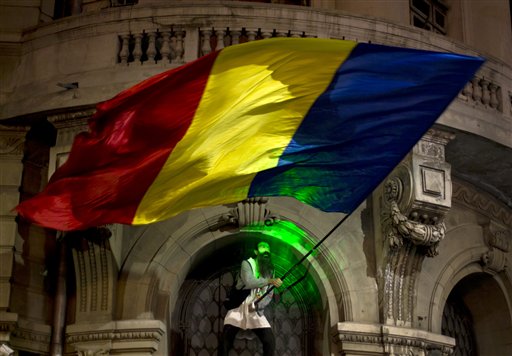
12, 140
355, 339
250, 212
141, 336
419, 234
94, 271
37, 336
70, 124
416, 197
495, 259
72, 118
484, 204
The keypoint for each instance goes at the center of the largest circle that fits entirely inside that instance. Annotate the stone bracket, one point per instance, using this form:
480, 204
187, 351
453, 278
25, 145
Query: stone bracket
498, 240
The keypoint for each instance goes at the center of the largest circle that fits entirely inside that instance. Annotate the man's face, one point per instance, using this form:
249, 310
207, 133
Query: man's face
263, 249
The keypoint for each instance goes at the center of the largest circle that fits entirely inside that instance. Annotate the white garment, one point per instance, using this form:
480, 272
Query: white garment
242, 317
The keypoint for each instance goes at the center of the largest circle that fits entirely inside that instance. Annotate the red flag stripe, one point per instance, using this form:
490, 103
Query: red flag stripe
120, 161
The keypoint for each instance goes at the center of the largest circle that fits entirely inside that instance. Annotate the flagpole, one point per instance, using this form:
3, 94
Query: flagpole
305, 256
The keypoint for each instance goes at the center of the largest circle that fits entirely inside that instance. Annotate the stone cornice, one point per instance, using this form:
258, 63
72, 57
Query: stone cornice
136, 330
71, 118
356, 337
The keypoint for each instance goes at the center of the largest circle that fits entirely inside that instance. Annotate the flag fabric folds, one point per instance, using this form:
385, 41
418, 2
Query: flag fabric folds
320, 120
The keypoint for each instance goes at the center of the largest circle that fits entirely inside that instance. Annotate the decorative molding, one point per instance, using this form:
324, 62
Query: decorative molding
71, 118
250, 212
494, 261
12, 140
370, 339
68, 125
94, 273
403, 229
32, 337
7, 326
416, 197
140, 336
482, 203
498, 240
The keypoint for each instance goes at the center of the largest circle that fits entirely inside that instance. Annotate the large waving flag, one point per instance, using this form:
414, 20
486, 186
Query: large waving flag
320, 120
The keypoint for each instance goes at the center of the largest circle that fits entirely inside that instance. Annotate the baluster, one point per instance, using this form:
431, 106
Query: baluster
486, 95
467, 91
235, 37
137, 51
179, 48
477, 91
295, 34
206, 46
251, 36
151, 52
494, 101
282, 34
165, 51
123, 53
220, 39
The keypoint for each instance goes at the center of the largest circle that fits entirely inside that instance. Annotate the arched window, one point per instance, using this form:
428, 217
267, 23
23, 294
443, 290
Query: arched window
199, 312
477, 316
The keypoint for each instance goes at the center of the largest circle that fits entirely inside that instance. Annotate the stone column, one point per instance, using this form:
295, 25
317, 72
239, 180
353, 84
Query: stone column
11, 167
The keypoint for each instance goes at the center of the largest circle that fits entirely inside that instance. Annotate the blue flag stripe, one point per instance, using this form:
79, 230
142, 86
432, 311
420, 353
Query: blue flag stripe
379, 104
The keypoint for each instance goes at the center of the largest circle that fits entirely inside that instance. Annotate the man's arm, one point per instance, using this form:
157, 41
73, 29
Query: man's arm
251, 282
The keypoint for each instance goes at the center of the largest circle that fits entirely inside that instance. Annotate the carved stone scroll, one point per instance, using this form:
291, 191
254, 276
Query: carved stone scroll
250, 212
498, 240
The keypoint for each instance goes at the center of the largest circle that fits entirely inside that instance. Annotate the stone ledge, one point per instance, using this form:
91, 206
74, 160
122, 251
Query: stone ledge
375, 339
142, 336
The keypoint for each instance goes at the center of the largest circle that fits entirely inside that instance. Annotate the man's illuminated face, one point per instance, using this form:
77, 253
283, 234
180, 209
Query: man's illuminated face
263, 248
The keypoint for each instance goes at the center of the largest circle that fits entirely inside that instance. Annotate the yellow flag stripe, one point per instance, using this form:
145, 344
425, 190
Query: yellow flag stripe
256, 97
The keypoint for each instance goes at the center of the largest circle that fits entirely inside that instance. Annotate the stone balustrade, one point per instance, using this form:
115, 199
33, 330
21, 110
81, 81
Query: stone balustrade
168, 47
481, 91
122, 46
152, 47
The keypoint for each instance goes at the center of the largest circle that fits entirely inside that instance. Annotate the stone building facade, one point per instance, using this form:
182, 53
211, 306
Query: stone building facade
423, 267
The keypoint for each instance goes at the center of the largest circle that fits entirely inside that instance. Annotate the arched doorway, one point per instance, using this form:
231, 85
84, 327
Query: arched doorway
295, 314
477, 315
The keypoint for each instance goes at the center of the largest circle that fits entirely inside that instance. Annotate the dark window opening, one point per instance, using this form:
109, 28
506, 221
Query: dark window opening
429, 15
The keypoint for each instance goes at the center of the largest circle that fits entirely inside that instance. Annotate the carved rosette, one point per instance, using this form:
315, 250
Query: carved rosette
250, 212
